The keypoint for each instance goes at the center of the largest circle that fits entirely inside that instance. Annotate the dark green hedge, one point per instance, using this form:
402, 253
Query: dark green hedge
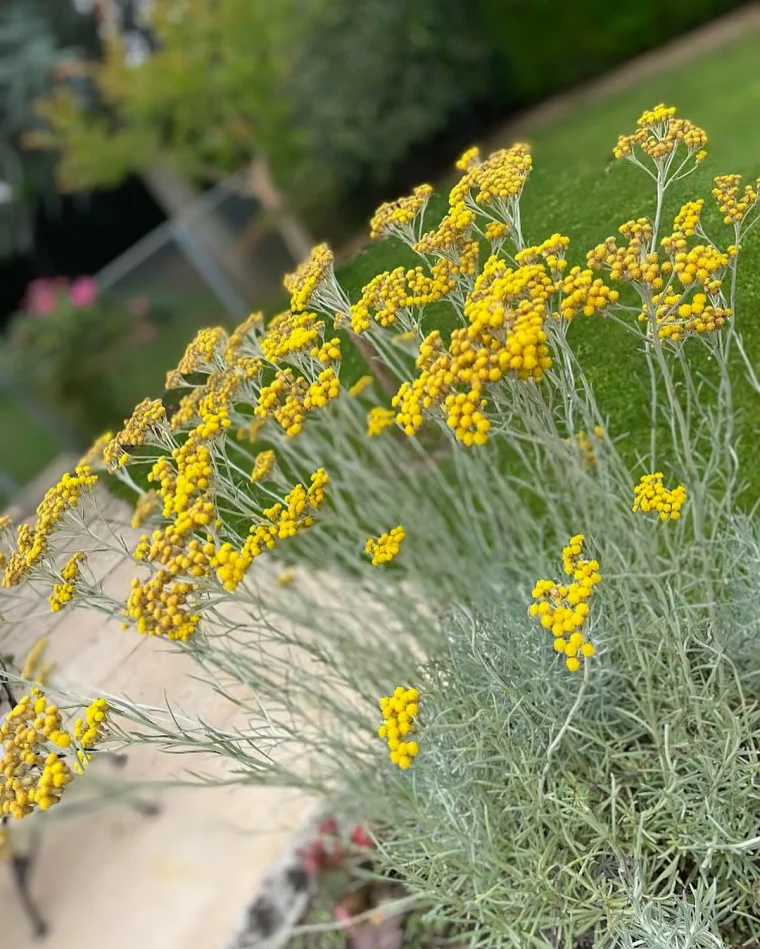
545, 46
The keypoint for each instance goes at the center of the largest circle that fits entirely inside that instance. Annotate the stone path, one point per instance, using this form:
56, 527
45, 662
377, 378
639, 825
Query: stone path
117, 878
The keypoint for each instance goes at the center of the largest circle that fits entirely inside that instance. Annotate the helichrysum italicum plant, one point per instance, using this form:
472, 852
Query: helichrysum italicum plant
570, 761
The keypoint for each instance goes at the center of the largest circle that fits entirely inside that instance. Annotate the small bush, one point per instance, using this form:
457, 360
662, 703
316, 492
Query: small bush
528, 658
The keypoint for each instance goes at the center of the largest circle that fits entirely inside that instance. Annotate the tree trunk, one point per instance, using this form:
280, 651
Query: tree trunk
210, 232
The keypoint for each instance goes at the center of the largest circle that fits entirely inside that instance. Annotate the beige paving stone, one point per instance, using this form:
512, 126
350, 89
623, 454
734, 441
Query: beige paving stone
114, 877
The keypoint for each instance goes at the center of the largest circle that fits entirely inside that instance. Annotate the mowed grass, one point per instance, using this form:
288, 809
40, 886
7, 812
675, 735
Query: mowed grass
575, 190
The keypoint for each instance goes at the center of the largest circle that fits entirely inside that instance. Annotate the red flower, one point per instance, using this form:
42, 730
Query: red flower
328, 827
360, 837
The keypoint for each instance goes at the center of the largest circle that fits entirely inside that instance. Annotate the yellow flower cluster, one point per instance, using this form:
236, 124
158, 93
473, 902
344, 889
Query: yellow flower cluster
452, 236
398, 217
498, 179
505, 310
145, 507
219, 393
186, 412
32, 540
64, 592
563, 609
243, 340
650, 494
362, 383
582, 293
384, 548
329, 351
399, 713
93, 457
552, 250
324, 389
687, 220
293, 333
496, 231
89, 731
204, 353
634, 263
145, 426
733, 205
163, 606
288, 412
659, 134
392, 296
586, 445
32, 775
703, 265
302, 284
169, 545
468, 159
193, 475
676, 317
262, 465
300, 506
34, 669
378, 419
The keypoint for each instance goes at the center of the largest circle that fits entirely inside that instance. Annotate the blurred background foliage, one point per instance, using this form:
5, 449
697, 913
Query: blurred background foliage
207, 96
345, 103
338, 95
38, 39
544, 46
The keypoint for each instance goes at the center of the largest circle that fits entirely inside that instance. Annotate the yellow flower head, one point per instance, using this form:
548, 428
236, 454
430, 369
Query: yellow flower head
733, 203
563, 609
262, 465
385, 547
400, 711
378, 419
32, 539
64, 591
41, 755
204, 354
650, 494
658, 135
305, 281
93, 457
146, 505
32, 669
398, 217
364, 382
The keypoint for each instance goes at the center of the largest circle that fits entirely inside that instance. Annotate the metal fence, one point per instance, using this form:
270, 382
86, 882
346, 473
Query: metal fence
212, 262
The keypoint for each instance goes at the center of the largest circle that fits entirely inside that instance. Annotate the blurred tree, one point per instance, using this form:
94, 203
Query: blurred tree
37, 39
209, 97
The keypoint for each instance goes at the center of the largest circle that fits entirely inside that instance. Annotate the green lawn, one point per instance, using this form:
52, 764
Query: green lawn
575, 191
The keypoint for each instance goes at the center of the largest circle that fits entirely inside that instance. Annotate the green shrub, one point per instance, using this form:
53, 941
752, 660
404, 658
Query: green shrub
545, 46
68, 351
377, 79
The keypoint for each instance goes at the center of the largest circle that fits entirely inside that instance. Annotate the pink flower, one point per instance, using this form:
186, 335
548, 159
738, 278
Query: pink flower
83, 292
41, 296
